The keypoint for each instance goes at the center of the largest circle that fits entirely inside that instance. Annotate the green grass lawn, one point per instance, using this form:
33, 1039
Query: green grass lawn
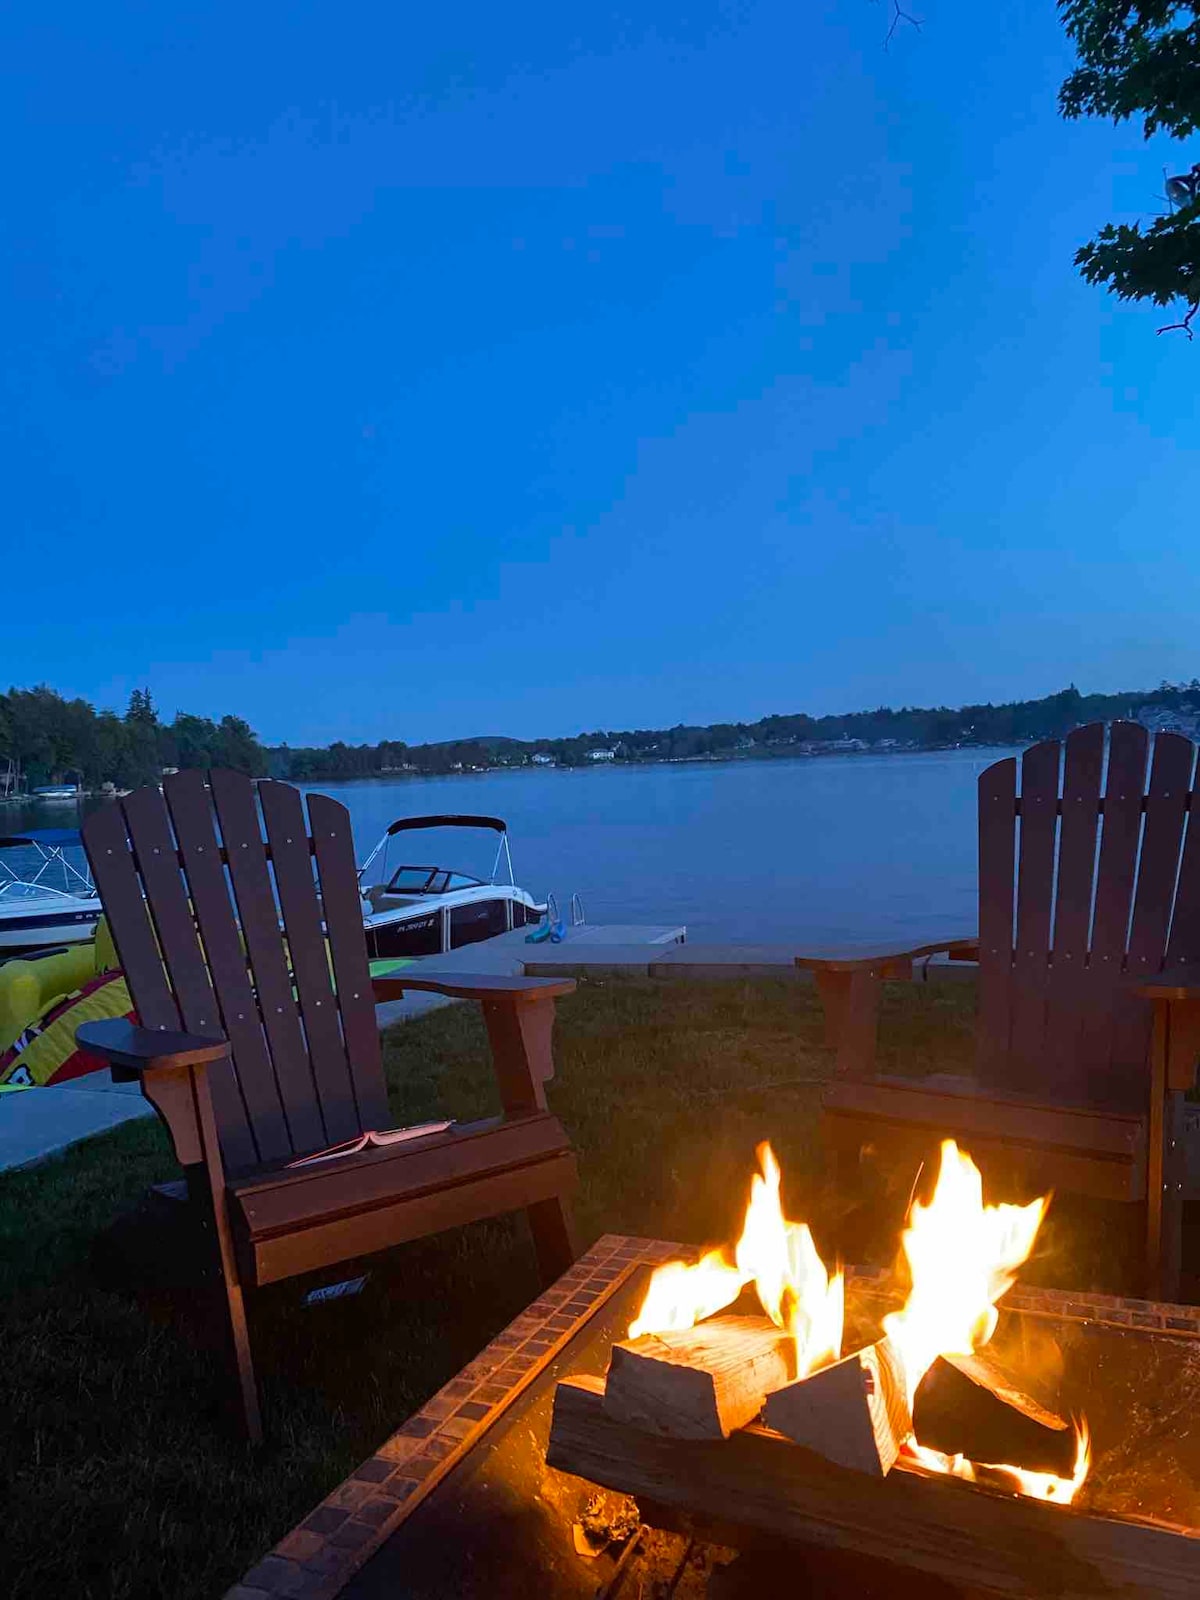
119, 1476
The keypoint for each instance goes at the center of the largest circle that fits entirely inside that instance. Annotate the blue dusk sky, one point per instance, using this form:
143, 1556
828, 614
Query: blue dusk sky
376, 370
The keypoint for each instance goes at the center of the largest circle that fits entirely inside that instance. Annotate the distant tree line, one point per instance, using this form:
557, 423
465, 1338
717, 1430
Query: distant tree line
53, 740
1016, 722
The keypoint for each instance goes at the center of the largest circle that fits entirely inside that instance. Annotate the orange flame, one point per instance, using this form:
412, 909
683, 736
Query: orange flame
781, 1260
680, 1295
1036, 1485
963, 1257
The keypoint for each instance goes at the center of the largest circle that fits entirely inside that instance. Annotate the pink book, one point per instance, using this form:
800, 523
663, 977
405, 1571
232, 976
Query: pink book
366, 1141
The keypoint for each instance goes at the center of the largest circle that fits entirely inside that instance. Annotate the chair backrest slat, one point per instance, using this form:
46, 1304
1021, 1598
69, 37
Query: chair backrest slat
1083, 777
997, 872
1058, 1016
158, 866
115, 874
192, 816
292, 860
1154, 894
1162, 838
1183, 941
333, 845
1035, 887
1120, 836
222, 930
258, 915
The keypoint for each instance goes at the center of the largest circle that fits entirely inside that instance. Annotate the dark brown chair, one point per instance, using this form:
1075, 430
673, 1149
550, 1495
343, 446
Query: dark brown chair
1089, 986
240, 924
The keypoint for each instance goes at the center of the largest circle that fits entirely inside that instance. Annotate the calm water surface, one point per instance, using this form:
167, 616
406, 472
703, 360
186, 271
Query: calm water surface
840, 848
819, 849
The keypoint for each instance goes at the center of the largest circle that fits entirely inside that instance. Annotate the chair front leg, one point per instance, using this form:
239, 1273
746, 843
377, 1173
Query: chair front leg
553, 1232
212, 1176
519, 1033
850, 1001
1175, 1040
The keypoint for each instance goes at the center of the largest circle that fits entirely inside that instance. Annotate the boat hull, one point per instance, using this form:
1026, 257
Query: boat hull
42, 930
470, 918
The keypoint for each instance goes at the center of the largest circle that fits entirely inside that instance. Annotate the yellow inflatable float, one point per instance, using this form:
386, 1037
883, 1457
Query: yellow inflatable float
44, 998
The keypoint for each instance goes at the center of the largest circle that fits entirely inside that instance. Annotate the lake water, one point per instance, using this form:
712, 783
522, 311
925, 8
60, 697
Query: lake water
833, 848
826, 849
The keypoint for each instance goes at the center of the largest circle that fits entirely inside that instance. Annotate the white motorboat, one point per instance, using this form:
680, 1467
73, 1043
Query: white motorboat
57, 792
46, 891
424, 910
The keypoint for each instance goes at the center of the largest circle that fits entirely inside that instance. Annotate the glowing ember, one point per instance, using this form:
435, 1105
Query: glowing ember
963, 1257
1036, 1485
778, 1257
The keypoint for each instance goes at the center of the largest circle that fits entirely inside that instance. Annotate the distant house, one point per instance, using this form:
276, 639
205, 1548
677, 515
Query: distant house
541, 759
602, 755
831, 747
1166, 719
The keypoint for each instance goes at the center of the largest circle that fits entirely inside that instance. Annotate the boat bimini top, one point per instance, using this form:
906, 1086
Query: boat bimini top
439, 880
51, 861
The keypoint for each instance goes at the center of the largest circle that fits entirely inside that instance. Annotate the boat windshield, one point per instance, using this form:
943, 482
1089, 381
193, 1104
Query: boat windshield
411, 879
429, 880
45, 861
16, 890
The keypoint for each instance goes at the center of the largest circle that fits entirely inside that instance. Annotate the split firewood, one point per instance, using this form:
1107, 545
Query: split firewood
701, 1382
971, 1406
854, 1413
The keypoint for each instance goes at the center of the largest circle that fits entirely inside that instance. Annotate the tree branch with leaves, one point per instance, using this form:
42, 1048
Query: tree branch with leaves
1142, 61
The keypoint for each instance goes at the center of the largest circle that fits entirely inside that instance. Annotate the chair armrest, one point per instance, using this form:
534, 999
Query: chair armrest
852, 958
519, 1022
473, 986
141, 1050
1182, 984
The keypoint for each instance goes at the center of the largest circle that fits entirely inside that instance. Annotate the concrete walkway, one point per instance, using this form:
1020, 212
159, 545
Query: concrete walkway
37, 1123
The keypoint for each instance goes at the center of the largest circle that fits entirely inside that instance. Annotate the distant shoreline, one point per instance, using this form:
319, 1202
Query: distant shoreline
627, 762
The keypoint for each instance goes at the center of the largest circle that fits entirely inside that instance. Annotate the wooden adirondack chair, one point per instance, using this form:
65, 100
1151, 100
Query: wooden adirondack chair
245, 931
1089, 986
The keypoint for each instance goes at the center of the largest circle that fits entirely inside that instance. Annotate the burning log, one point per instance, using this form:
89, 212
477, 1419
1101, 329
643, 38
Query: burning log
854, 1413
971, 1406
701, 1382
980, 1542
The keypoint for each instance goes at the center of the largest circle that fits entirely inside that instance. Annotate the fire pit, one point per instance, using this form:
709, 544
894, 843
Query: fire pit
954, 1437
